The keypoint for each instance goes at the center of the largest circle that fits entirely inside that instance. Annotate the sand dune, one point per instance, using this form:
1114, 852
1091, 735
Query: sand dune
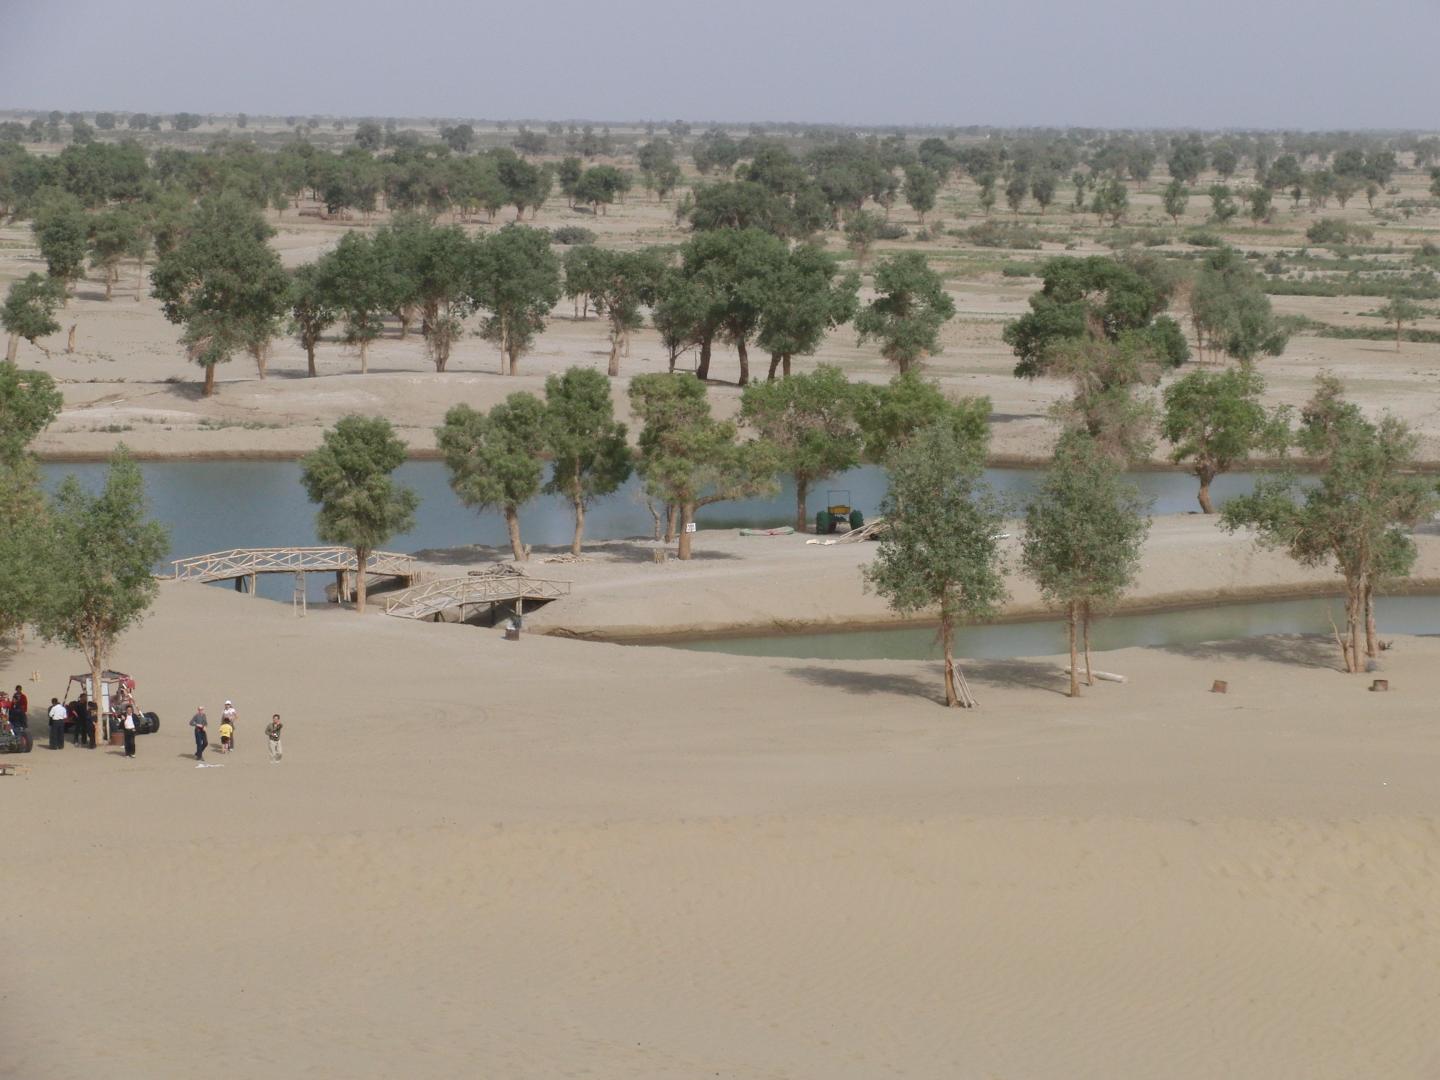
560, 858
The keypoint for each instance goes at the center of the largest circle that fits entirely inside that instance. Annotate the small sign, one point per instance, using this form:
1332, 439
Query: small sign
689, 526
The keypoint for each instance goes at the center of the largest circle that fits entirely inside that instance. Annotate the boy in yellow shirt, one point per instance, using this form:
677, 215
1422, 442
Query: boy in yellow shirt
227, 730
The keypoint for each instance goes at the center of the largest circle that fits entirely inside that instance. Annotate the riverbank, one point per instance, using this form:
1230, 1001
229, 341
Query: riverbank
646, 863
780, 584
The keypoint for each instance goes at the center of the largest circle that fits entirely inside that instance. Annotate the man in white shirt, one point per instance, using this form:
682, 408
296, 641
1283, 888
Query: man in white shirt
57, 715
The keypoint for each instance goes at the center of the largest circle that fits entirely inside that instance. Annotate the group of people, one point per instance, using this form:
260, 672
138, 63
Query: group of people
15, 710
228, 716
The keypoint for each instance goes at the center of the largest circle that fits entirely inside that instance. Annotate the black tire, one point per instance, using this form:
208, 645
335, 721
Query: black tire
823, 524
154, 723
857, 519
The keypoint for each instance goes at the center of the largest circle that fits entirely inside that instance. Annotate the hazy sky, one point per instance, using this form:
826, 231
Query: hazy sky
1111, 63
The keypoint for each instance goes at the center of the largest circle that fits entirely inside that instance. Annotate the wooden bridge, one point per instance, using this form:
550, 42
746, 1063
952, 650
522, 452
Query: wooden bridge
243, 565
479, 587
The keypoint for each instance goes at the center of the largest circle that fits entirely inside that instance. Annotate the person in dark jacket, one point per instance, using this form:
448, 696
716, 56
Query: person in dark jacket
20, 710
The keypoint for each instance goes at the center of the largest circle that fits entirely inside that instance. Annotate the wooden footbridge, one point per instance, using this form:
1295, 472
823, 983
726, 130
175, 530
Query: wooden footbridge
504, 585
243, 565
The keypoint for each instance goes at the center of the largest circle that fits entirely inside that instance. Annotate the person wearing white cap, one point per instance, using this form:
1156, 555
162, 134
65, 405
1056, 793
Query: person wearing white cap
227, 716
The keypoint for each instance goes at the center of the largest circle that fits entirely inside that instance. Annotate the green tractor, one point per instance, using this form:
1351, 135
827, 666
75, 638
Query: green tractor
837, 510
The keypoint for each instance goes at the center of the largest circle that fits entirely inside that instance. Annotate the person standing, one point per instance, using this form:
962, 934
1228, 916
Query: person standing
201, 739
228, 715
57, 715
129, 727
272, 732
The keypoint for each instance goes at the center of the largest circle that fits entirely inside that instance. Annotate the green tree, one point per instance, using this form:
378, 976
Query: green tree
100, 554
889, 416
29, 311
921, 188
313, 308
25, 569
1095, 297
1216, 421
224, 284
620, 283
582, 266
732, 269
1175, 199
1260, 199
1222, 203
61, 232
1231, 311
1083, 533
908, 312
494, 458
112, 238
1359, 516
1399, 311
940, 548
349, 477
29, 401
804, 300
810, 420
353, 283
1187, 159
687, 458
369, 136
1111, 200
862, 229
587, 446
432, 268
516, 278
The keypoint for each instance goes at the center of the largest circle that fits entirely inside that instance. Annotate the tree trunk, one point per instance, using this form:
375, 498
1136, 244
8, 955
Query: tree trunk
702, 370
1372, 640
1206, 476
12, 348
362, 555
70, 339
903, 364
785, 365
364, 357
1085, 624
1397, 329
310, 357
259, 355
579, 525
802, 489
110, 284
209, 380
512, 525
744, 352
687, 515
96, 655
1070, 620
140, 281
672, 518
614, 368
774, 366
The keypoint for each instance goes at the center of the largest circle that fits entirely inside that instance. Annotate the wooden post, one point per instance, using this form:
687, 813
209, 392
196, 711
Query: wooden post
1219, 686
253, 579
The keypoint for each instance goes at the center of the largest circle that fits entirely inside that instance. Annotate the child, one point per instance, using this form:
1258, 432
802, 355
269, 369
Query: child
227, 730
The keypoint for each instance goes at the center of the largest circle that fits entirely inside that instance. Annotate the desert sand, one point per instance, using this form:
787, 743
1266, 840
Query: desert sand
557, 858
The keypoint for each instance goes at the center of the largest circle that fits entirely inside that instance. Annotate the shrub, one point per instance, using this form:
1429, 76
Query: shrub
1335, 231
572, 234
890, 231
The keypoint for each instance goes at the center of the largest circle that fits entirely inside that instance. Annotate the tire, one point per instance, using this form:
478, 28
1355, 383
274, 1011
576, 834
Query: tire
154, 722
823, 524
857, 519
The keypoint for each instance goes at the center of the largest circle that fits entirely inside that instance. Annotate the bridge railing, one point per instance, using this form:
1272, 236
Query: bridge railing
458, 591
242, 562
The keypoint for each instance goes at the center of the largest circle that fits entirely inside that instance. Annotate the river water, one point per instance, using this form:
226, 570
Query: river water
1395, 615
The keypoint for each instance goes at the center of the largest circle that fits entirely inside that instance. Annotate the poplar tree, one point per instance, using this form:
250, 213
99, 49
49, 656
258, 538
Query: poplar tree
494, 458
588, 452
1216, 421
810, 420
940, 550
29, 311
1083, 534
361, 505
908, 312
